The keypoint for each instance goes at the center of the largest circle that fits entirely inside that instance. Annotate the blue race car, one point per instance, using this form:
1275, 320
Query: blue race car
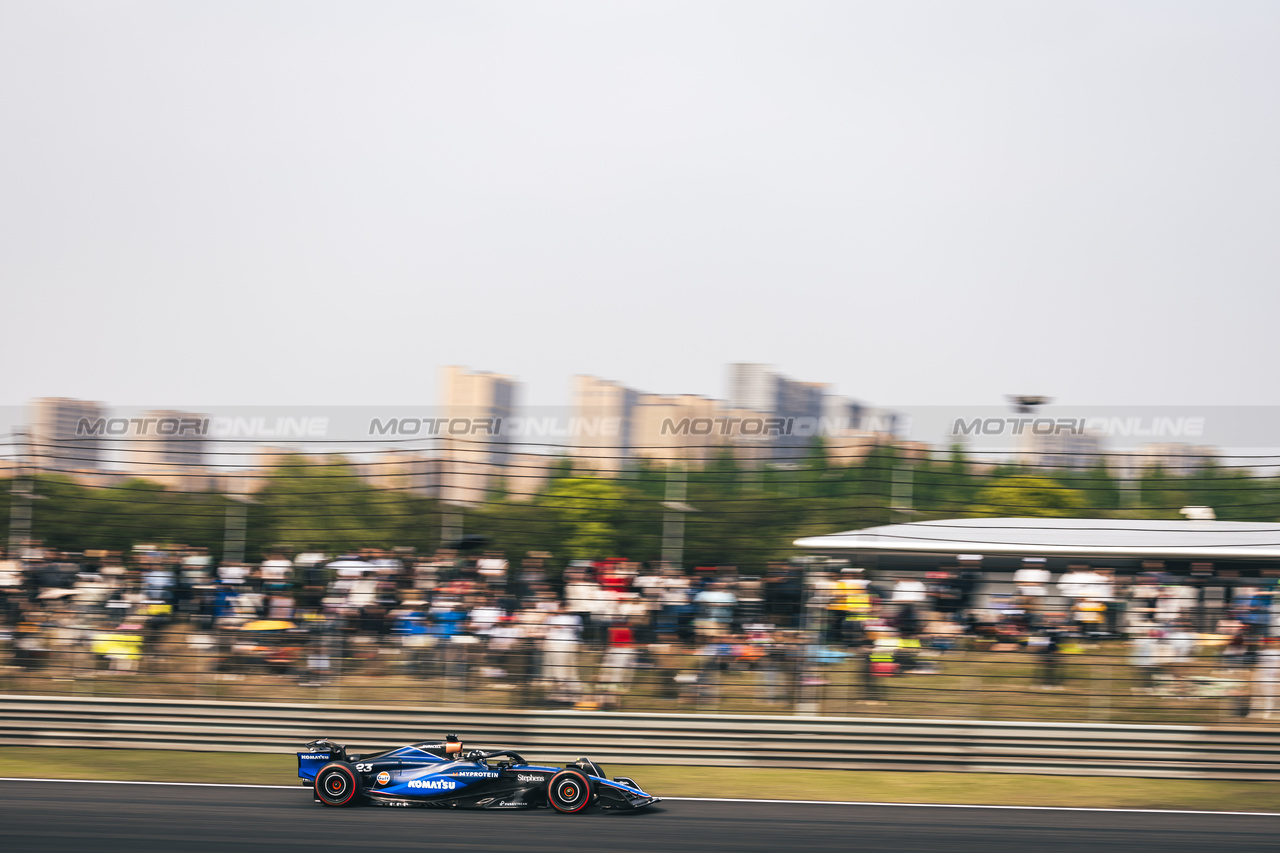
440, 774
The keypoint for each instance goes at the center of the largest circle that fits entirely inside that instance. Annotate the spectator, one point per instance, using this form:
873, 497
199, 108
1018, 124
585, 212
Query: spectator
907, 621
909, 590
1032, 580
560, 655
584, 598
674, 601
715, 604
618, 664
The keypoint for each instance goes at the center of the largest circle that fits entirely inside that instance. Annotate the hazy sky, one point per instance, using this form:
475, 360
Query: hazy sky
920, 203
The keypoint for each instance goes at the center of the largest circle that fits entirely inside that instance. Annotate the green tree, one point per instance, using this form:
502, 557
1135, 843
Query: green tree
588, 508
327, 505
1030, 496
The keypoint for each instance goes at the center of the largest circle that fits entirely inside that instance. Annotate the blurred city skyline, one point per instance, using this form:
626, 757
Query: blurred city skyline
480, 422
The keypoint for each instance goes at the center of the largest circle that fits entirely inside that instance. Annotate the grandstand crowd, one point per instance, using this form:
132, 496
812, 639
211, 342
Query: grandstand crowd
579, 634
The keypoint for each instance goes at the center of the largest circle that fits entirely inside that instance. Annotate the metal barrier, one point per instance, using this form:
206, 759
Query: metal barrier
689, 739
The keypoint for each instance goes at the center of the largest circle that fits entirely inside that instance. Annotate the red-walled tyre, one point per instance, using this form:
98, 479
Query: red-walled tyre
569, 791
337, 785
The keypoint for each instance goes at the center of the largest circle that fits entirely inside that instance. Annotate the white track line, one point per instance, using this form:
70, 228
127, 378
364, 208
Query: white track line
968, 806
174, 784
711, 799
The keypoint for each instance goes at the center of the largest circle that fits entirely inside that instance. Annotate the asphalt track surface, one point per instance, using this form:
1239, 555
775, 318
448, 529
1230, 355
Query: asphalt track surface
51, 817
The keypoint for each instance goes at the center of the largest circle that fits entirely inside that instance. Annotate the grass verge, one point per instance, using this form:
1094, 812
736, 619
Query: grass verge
873, 786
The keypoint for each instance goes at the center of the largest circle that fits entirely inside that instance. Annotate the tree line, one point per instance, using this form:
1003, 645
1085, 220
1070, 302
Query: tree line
741, 515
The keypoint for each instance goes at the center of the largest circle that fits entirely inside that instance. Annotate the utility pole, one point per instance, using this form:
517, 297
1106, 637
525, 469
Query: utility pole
903, 482
450, 515
807, 700
1139, 471
21, 495
235, 529
673, 518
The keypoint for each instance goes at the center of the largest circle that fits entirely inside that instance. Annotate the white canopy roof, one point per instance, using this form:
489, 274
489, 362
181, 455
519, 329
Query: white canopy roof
1064, 537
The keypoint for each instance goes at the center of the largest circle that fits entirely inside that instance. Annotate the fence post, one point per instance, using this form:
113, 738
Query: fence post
810, 634
21, 494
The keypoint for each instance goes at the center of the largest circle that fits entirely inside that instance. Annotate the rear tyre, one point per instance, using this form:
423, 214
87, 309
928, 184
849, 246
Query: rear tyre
569, 791
337, 785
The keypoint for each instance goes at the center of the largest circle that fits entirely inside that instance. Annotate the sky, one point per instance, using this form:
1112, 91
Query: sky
925, 203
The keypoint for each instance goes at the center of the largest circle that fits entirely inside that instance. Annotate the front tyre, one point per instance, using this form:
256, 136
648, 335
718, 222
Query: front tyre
569, 791
337, 785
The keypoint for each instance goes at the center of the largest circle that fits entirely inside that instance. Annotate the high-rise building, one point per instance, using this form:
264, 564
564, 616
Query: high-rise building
475, 447
603, 423
683, 428
851, 430
800, 404
526, 474
66, 435
169, 448
1177, 458
1174, 458
758, 388
845, 416
753, 388
408, 472
1062, 451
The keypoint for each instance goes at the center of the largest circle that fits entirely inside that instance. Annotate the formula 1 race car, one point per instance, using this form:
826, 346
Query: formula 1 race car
440, 774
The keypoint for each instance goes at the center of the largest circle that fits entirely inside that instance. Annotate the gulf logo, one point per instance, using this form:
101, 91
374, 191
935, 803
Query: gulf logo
384, 777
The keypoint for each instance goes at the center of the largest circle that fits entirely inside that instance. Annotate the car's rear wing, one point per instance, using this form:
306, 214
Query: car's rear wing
317, 754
